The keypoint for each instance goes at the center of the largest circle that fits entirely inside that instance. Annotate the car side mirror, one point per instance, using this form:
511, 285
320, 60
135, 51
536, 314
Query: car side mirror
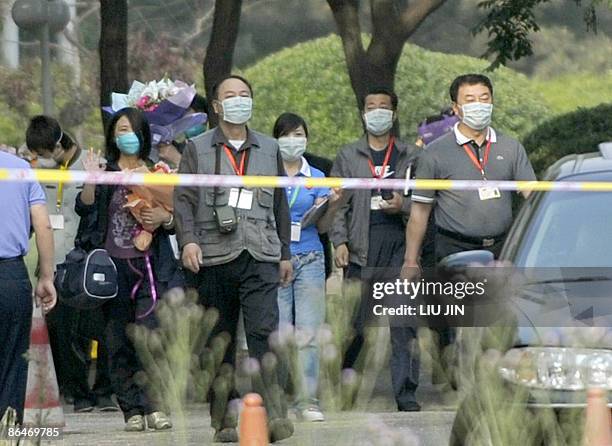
467, 258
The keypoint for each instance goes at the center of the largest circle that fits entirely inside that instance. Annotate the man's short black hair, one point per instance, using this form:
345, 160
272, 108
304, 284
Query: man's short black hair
469, 79
42, 134
215, 90
199, 104
381, 90
288, 122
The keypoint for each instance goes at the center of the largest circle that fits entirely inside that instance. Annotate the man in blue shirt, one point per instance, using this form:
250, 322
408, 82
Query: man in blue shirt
23, 207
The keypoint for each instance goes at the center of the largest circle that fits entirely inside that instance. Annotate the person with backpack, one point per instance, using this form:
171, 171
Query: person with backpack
143, 276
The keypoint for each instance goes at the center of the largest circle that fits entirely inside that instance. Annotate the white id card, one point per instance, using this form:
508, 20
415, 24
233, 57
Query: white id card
296, 231
245, 200
234, 193
57, 221
376, 203
488, 193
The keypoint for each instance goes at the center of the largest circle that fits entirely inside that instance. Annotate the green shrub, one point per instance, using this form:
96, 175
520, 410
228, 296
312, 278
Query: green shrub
577, 132
568, 92
311, 79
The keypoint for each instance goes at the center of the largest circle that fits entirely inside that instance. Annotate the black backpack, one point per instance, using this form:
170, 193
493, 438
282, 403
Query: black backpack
86, 281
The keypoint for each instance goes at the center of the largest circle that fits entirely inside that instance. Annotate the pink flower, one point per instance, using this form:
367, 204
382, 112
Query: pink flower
142, 102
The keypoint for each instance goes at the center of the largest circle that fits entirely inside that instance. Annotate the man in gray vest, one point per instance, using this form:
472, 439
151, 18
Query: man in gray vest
236, 241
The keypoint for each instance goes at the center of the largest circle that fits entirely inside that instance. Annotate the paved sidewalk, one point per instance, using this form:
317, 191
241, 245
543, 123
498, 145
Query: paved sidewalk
427, 428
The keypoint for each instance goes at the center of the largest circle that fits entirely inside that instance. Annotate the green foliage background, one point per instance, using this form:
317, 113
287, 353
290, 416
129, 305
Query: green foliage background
310, 79
580, 131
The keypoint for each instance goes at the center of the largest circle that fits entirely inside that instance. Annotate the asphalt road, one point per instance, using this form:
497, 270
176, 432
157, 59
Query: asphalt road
426, 428
378, 424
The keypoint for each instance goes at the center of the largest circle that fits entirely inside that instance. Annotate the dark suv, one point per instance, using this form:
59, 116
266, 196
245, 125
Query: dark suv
530, 388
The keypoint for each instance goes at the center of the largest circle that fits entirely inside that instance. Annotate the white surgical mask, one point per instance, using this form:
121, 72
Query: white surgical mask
292, 147
378, 121
46, 163
477, 115
237, 110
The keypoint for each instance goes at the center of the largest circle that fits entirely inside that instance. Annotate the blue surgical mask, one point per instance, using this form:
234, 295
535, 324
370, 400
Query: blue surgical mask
378, 121
237, 110
477, 115
128, 143
195, 130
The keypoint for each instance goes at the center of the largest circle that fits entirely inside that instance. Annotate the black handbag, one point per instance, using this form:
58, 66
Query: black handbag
86, 280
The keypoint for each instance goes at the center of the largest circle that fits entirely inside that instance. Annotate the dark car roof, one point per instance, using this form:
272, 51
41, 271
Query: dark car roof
598, 163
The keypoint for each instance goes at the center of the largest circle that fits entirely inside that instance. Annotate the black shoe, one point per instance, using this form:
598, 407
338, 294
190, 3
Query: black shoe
83, 406
279, 429
409, 407
227, 435
106, 404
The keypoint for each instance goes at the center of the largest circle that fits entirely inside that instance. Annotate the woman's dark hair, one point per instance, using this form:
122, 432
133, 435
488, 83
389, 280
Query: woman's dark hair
288, 122
140, 126
199, 104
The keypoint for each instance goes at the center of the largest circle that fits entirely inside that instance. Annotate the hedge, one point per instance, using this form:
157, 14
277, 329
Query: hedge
311, 79
580, 131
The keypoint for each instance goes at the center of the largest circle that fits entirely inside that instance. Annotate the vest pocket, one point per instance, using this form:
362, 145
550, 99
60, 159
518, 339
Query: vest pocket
222, 197
270, 243
265, 197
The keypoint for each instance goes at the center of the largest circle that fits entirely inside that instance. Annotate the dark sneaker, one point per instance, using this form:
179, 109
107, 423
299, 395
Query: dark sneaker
410, 407
106, 404
227, 435
83, 406
280, 428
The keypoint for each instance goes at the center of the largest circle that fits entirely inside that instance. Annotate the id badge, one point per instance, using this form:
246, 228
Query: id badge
376, 203
488, 193
234, 193
296, 231
57, 221
245, 200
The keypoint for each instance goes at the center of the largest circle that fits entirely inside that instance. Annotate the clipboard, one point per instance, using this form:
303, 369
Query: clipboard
313, 214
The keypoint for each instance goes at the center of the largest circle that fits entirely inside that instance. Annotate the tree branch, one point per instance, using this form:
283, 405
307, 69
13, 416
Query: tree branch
414, 15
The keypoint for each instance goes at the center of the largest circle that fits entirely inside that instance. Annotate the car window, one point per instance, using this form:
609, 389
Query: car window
570, 229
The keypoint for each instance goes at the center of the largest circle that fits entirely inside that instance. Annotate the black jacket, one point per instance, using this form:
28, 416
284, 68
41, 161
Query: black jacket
94, 227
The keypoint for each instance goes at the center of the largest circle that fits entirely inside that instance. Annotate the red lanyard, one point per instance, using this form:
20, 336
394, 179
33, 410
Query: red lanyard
476, 161
232, 159
385, 162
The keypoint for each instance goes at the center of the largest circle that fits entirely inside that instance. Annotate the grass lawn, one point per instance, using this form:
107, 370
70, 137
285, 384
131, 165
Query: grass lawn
568, 92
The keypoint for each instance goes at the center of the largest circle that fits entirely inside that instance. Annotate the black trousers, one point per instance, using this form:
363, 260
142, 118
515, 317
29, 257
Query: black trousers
385, 259
70, 345
123, 361
15, 324
250, 285
445, 246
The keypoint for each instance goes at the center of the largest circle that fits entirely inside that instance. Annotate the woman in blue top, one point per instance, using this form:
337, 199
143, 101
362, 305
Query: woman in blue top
302, 303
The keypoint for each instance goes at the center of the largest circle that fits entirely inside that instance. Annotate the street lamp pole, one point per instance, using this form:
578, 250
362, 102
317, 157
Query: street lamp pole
47, 86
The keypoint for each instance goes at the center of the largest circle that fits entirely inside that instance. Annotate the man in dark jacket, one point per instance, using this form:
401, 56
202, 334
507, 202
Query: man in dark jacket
368, 233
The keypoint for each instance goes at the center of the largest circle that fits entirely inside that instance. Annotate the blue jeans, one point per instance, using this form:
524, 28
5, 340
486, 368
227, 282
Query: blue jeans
302, 306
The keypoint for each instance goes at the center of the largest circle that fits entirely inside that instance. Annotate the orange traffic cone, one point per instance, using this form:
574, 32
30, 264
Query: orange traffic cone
42, 405
253, 421
597, 426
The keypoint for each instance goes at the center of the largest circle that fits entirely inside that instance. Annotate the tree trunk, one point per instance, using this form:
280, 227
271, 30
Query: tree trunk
113, 51
220, 51
392, 25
